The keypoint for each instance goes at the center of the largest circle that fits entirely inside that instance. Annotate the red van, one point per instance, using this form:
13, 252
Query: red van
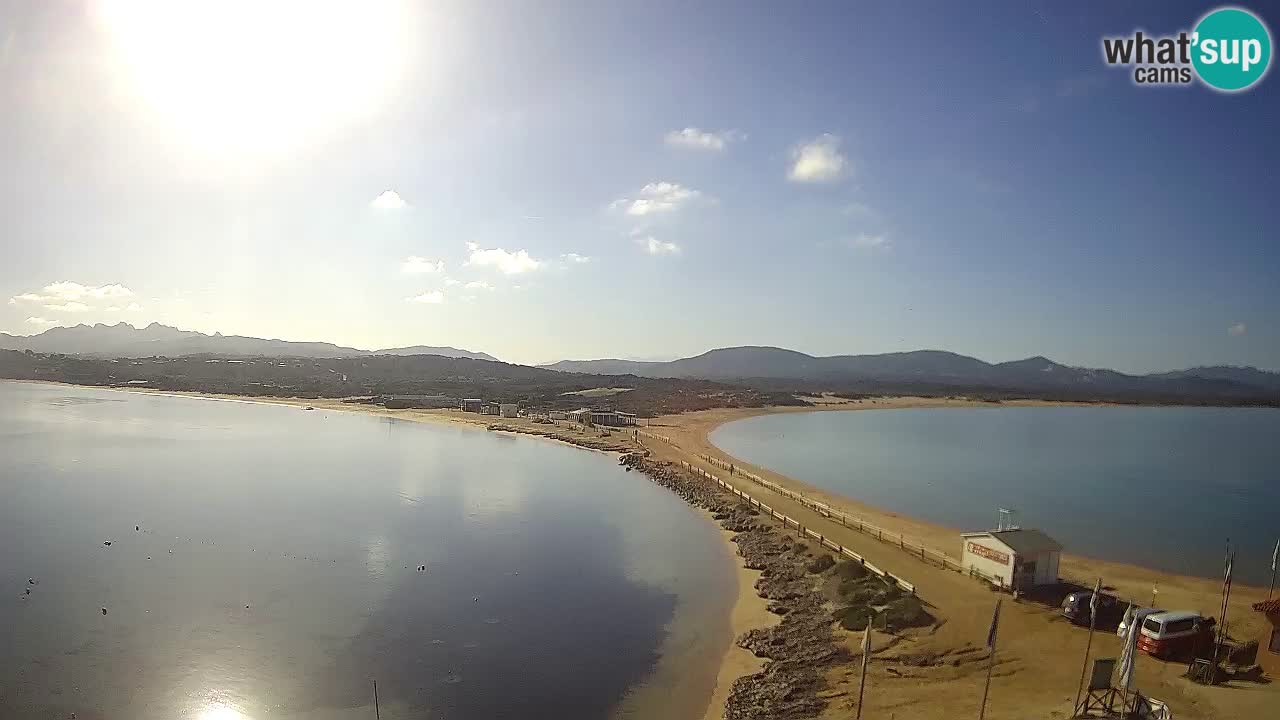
1175, 634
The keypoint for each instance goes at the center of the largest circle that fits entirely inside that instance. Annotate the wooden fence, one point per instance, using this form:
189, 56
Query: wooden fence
654, 436
915, 549
788, 521
925, 553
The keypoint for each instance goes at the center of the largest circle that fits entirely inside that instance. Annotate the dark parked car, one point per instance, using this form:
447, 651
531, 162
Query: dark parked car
1075, 607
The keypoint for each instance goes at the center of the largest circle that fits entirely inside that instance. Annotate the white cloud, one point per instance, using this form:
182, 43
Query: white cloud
388, 200
692, 137
655, 246
416, 265
435, 297
508, 263
657, 197
819, 160
113, 308
575, 258
41, 322
67, 292
868, 241
134, 307
450, 282
71, 307
478, 285
1237, 330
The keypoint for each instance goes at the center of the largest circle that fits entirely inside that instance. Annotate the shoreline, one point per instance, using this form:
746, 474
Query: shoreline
1037, 671
898, 520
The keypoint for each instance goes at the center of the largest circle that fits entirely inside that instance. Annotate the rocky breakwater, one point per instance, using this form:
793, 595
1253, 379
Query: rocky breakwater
803, 645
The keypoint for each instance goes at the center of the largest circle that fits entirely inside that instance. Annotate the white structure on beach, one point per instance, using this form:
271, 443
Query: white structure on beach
509, 410
1015, 559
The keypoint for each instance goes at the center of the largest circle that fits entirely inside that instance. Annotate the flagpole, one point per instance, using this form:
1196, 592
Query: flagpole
991, 663
1084, 669
866, 650
991, 659
1222, 624
1275, 555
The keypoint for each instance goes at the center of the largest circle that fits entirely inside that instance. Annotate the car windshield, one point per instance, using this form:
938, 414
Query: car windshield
1152, 624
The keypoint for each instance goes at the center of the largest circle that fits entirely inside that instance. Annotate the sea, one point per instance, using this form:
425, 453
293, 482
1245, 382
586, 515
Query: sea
1163, 487
176, 557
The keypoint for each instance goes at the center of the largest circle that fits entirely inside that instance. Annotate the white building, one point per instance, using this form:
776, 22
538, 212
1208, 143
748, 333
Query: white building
509, 410
1014, 559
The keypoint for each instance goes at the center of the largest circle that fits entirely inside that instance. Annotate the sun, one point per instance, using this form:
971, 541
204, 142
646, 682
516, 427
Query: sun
244, 76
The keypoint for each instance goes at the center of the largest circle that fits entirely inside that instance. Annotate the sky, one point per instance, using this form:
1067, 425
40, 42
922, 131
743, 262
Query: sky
543, 181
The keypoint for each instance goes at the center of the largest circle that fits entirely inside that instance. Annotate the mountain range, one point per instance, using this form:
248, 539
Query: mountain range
932, 367
124, 340
931, 371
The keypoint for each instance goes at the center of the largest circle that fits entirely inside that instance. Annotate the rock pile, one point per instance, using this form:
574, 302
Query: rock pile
803, 645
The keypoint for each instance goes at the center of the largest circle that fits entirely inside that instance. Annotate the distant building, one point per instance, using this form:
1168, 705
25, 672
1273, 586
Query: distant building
420, 401
508, 410
557, 415
471, 405
1269, 643
1014, 559
607, 418
491, 408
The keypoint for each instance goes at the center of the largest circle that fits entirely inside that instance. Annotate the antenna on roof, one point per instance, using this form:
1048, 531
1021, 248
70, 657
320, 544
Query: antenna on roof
1006, 520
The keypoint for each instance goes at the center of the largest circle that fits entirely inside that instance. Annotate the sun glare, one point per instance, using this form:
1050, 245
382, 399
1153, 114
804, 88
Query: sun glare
243, 76
221, 712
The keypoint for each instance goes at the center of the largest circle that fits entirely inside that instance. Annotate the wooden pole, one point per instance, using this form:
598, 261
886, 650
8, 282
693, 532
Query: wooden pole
1275, 554
377, 712
862, 680
1088, 647
991, 663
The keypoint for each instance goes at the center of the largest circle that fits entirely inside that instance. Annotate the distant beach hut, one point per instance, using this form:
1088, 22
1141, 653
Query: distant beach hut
1014, 559
1269, 642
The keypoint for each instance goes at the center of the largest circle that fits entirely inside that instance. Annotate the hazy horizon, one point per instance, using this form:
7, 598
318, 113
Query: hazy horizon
645, 359
614, 180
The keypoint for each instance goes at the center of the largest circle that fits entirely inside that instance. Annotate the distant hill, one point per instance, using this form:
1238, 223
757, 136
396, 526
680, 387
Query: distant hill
450, 352
938, 369
124, 340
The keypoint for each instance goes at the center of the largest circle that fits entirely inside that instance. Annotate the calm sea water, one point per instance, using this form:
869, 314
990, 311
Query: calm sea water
273, 571
1160, 487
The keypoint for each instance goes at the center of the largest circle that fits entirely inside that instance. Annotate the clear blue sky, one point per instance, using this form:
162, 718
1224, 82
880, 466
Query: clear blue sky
851, 178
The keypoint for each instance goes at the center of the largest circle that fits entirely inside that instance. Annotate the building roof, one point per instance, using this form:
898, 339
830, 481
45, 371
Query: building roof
1267, 606
1023, 542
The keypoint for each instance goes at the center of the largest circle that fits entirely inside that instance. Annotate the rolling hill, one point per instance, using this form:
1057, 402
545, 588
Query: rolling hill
936, 368
124, 340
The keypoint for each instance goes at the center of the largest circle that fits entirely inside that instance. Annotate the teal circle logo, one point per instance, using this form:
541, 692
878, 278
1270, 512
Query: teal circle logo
1231, 49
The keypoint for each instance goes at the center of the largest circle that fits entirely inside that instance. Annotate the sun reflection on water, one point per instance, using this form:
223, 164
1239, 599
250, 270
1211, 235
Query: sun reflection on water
221, 711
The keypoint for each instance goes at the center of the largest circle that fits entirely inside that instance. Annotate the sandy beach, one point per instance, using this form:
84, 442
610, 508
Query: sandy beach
931, 673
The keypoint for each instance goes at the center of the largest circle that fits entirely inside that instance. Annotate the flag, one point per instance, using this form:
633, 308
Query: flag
866, 645
1226, 581
1127, 623
995, 623
1128, 656
1093, 600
